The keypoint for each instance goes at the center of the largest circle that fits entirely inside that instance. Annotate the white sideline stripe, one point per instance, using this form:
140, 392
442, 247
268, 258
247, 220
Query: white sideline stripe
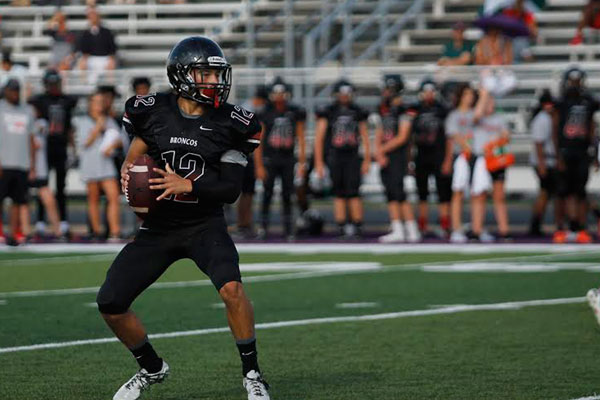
588, 398
325, 271
366, 304
316, 248
514, 305
512, 267
139, 168
3, 302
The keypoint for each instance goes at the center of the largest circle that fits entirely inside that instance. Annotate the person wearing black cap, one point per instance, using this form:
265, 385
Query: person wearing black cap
391, 144
426, 119
283, 126
17, 156
141, 85
341, 127
57, 109
573, 136
543, 160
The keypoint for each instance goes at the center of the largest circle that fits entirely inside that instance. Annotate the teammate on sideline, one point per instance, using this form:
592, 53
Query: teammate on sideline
573, 136
202, 143
283, 125
391, 139
434, 152
344, 125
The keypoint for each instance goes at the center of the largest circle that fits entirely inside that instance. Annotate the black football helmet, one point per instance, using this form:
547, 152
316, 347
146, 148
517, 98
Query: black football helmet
573, 81
199, 53
393, 82
343, 86
280, 86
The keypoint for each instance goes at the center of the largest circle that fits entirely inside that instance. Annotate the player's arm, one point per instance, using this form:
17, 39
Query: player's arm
137, 148
364, 135
301, 147
32, 150
555, 125
320, 131
401, 138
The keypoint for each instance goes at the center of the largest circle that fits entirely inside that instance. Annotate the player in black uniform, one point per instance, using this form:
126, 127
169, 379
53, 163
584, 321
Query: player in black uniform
202, 143
343, 125
573, 138
283, 125
391, 155
434, 152
57, 109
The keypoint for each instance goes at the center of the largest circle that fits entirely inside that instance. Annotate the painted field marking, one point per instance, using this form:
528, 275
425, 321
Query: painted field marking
3, 302
514, 305
509, 267
317, 269
366, 304
588, 398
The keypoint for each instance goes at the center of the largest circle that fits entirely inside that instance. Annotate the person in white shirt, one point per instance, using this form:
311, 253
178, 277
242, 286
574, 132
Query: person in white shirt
94, 134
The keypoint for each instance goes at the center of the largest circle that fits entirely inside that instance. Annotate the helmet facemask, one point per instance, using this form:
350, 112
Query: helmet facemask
198, 84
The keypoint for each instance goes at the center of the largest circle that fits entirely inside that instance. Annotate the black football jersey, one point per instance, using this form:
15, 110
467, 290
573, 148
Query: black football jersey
57, 111
428, 121
390, 121
192, 146
575, 121
279, 136
342, 126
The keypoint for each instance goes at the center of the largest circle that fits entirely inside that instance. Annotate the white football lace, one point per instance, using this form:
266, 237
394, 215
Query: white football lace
256, 387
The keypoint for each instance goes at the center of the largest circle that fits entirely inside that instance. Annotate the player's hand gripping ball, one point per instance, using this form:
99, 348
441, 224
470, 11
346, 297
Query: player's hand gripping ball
140, 197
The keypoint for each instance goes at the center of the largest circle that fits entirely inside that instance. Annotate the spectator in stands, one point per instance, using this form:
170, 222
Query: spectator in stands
17, 163
574, 134
457, 51
434, 153
141, 85
97, 170
590, 18
283, 132
493, 49
392, 138
543, 159
57, 109
10, 70
63, 43
459, 129
522, 44
341, 127
97, 47
490, 128
45, 196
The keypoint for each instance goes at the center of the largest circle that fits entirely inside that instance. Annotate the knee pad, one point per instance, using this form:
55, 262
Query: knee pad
107, 304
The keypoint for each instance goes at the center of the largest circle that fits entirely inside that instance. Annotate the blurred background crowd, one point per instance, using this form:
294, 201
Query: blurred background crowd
382, 120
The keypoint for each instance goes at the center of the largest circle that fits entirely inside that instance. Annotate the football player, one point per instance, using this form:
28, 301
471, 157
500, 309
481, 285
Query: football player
391, 139
573, 136
344, 125
283, 126
201, 142
434, 152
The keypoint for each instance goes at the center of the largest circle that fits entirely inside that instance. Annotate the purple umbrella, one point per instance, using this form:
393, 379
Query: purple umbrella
509, 26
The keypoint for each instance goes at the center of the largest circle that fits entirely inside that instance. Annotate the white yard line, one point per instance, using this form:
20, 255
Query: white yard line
491, 266
514, 305
588, 398
366, 304
316, 248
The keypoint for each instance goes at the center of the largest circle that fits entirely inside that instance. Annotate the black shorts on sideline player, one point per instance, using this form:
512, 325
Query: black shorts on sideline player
14, 184
426, 165
345, 174
548, 183
392, 177
152, 251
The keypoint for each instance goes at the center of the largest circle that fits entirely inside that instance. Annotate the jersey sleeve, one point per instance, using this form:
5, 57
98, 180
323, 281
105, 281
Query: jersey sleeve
300, 114
135, 118
410, 113
322, 112
363, 114
246, 127
451, 124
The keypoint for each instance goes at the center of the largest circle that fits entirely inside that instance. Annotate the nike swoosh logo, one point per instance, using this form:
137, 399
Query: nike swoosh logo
202, 128
247, 354
143, 228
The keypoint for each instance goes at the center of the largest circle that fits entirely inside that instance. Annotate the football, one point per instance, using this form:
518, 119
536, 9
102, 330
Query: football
141, 199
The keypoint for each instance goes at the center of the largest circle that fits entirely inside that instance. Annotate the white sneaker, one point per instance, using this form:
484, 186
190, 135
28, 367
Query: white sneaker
458, 237
133, 388
487, 237
593, 298
256, 386
392, 237
412, 232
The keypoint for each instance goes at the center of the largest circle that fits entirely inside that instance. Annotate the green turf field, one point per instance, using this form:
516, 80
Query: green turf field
410, 328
